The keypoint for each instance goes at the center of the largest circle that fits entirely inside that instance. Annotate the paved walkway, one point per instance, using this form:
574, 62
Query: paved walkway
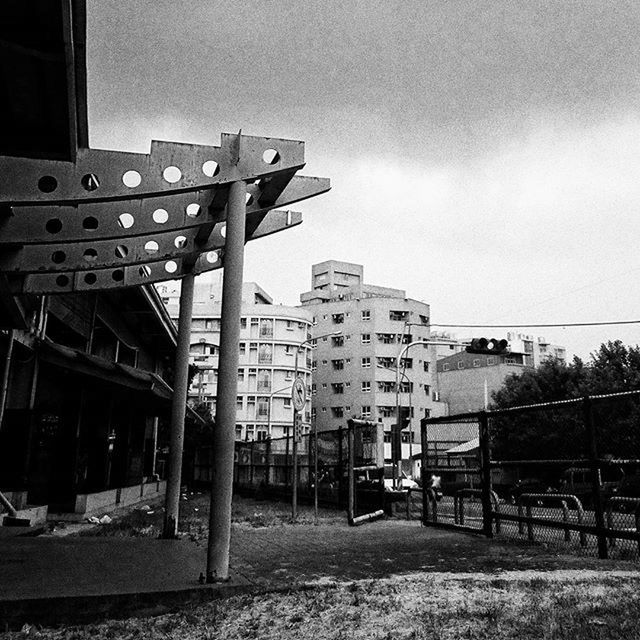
48, 579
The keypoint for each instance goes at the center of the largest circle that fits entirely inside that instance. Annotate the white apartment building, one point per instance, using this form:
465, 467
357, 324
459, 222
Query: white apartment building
354, 371
270, 337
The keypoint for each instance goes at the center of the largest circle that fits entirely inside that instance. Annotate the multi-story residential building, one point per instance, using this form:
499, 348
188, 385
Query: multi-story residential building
272, 341
536, 350
365, 329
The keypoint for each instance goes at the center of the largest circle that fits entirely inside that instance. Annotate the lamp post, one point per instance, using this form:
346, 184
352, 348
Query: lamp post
273, 393
396, 432
294, 474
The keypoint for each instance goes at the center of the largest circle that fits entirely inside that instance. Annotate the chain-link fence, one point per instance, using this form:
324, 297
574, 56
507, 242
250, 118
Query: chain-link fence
564, 473
265, 469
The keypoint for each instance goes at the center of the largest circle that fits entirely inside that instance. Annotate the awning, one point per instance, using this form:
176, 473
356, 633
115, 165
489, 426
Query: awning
106, 370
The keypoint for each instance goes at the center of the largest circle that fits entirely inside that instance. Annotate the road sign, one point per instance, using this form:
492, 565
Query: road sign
298, 394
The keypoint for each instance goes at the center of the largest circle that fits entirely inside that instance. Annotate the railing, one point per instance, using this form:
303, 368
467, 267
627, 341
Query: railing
562, 499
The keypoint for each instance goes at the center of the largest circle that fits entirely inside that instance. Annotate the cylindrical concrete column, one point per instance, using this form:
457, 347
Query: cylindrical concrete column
224, 431
178, 408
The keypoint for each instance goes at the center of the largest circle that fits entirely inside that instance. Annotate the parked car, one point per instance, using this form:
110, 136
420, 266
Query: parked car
528, 485
628, 487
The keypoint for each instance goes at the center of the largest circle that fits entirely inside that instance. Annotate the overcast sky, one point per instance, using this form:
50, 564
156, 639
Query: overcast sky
484, 156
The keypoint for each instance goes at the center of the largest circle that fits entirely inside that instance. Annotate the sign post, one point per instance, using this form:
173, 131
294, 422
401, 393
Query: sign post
299, 399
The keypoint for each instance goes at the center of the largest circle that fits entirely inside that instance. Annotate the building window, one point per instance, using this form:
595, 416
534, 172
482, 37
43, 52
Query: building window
337, 387
266, 328
337, 341
264, 380
387, 338
427, 389
406, 387
337, 318
314, 389
365, 338
290, 325
365, 387
338, 365
287, 402
424, 319
288, 350
366, 411
446, 366
491, 360
263, 407
324, 385
288, 375
460, 364
398, 315
425, 366
406, 363
386, 387
476, 362
240, 375
510, 360
265, 354
365, 315
324, 409
338, 412
239, 403
324, 362
243, 348
386, 412
387, 363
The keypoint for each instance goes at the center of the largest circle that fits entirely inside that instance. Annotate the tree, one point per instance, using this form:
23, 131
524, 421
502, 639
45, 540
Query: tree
559, 431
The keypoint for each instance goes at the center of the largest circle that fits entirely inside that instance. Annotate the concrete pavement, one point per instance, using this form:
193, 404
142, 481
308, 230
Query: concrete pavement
50, 579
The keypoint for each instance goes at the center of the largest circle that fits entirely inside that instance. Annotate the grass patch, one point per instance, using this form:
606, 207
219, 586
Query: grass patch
411, 608
194, 517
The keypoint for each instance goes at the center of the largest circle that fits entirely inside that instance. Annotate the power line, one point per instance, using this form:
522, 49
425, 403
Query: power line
530, 326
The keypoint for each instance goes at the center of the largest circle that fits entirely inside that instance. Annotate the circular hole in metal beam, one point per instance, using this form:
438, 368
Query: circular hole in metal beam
193, 210
131, 179
171, 266
62, 281
144, 271
117, 275
210, 168
90, 255
90, 223
58, 257
90, 181
180, 242
121, 251
223, 230
54, 225
271, 156
151, 247
172, 174
90, 278
47, 184
126, 220
160, 216
212, 257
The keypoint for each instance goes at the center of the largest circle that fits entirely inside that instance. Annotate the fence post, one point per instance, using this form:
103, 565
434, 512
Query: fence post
587, 409
267, 471
485, 474
286, 463
423, 472
340, 469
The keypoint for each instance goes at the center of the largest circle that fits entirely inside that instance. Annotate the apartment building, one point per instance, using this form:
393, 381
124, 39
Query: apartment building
361, 330
272, 342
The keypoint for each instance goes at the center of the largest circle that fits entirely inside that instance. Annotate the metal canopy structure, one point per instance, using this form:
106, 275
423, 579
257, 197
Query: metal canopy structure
113, 219
75, 219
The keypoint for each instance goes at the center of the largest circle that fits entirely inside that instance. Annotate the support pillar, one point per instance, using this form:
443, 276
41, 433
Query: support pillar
178, 408
224, 432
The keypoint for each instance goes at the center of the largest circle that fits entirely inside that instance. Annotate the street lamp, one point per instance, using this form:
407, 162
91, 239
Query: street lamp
294, 496
273, 393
